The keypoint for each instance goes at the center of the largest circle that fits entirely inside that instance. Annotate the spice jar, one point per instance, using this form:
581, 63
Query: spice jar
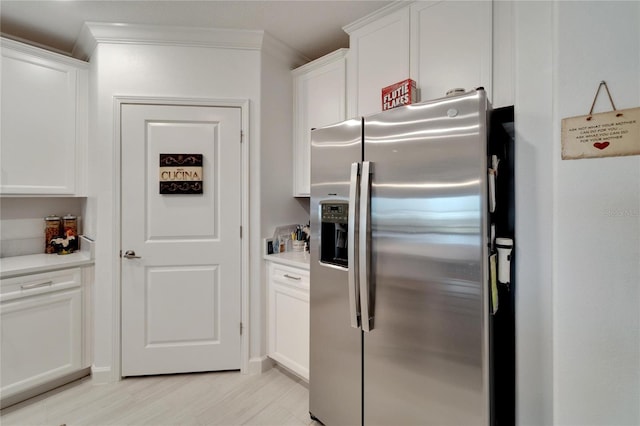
70, 234
70, 223
51, 231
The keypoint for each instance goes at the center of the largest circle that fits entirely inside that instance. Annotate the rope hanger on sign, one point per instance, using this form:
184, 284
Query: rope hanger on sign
602, 83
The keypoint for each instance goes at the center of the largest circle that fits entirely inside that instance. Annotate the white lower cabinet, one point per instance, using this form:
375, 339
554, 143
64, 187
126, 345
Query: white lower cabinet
288, 317
42, 331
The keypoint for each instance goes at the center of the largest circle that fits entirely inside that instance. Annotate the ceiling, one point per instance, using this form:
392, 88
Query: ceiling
313, 28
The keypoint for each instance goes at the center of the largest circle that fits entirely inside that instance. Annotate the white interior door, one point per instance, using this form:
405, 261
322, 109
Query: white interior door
181, 295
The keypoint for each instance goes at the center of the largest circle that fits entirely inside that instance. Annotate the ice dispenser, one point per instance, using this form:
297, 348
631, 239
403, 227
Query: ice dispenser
333, 232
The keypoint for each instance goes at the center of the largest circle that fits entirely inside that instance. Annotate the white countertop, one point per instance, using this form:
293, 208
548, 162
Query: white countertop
34, 263
298, 259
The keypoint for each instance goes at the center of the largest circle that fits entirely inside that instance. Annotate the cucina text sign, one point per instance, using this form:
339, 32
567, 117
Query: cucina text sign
181, 174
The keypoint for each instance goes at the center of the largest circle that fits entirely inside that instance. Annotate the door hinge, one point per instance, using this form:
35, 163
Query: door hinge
120, 254
241, 136
241, 329
241, 232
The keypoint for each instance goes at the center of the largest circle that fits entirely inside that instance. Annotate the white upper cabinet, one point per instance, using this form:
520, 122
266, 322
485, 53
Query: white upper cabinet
319, 99
451, 46
44, 122
440, 44
379, 57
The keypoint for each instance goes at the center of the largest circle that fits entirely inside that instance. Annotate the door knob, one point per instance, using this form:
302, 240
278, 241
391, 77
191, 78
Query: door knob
130, 254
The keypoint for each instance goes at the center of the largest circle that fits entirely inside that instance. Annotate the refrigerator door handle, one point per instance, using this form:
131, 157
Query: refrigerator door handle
364, 249
354, 192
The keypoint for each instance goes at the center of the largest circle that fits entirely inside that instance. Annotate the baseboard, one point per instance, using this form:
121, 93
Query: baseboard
258, 365
101, 375
45, 387
292, 374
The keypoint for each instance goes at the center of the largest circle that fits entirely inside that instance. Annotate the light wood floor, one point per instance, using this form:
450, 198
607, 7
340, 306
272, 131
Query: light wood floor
227, 398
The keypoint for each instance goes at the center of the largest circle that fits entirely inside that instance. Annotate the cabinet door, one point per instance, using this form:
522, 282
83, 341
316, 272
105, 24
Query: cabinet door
319, 100
451, 46
40, 121
41, 339
288, 341
379, 57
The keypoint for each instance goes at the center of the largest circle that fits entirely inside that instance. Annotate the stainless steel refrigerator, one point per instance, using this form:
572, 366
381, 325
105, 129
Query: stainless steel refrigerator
399, 275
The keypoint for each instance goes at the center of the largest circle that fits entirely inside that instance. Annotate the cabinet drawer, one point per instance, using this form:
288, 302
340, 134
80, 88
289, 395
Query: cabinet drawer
31, 285
290, 276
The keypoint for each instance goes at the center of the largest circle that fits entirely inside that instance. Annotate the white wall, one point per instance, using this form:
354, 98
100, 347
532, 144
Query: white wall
578, 228
597, 223
534, 212
152, 70
277, 205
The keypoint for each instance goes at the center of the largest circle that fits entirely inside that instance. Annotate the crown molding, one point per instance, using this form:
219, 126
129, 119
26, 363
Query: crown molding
326, 59
283, 52
93, 33
374, 16
29, 47
19, 43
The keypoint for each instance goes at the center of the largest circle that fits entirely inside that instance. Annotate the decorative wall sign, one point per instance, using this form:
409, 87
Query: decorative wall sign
181, 174
607, 134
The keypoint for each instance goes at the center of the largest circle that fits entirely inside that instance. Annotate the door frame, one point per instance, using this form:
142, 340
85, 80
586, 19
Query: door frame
243, 104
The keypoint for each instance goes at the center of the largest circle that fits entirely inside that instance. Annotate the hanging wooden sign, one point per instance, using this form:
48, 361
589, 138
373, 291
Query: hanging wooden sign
181, 174
607, 134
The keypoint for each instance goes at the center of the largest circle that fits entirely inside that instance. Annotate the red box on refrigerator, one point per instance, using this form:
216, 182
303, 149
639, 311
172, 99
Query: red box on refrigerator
399, 94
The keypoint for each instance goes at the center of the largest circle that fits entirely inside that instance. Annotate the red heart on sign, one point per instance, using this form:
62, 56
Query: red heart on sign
601, 145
